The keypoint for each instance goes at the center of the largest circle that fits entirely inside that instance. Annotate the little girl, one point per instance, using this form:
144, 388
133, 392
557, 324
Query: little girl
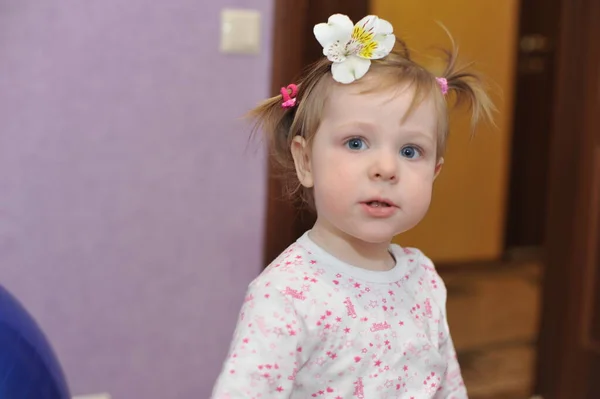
344, 313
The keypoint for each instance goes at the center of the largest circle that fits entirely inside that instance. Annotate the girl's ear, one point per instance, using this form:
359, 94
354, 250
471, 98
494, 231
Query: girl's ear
438, 168
301, 155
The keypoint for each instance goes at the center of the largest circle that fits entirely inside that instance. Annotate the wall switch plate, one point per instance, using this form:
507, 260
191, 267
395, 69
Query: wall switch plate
94, 396
240, 31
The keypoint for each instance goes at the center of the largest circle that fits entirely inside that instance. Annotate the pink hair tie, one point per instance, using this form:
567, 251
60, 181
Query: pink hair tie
443, 82
289, 98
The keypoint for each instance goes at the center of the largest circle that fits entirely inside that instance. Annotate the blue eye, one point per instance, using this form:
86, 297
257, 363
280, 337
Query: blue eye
411, 152
356, 144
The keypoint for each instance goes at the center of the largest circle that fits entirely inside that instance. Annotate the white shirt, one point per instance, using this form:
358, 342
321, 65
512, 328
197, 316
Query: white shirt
312, 326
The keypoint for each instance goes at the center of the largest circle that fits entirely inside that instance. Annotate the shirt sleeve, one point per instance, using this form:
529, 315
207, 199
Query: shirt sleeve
453, 386
266, 350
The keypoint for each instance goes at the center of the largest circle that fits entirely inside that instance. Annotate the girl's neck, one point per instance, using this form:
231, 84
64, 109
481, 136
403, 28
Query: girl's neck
349, 249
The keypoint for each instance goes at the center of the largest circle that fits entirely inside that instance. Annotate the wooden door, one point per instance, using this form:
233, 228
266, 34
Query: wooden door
569, 345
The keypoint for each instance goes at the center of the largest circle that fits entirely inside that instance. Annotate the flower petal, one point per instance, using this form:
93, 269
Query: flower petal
385, 44
335, 52
383, 27
374, 36
337, 29
351, 69
368, 23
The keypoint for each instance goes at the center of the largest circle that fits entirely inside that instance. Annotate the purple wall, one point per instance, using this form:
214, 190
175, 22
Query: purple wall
131, 211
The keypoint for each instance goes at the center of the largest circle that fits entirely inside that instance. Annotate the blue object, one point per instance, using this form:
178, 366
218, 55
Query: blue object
29, 368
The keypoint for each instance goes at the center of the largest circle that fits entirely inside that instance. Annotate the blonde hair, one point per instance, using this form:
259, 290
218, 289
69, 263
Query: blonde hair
280, 125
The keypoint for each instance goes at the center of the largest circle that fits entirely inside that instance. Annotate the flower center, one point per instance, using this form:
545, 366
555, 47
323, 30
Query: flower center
362, 42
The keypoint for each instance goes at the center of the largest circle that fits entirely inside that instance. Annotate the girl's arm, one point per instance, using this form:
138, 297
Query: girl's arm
453, 386
266, 349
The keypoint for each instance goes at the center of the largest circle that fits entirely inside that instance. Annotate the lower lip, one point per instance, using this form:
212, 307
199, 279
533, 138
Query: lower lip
379, 211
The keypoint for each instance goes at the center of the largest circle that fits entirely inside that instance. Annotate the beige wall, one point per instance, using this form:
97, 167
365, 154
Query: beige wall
467, 217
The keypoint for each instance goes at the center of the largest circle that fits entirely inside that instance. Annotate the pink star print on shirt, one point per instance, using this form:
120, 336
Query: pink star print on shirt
313, 326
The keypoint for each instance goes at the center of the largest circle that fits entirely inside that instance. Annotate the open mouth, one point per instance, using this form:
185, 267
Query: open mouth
378, 204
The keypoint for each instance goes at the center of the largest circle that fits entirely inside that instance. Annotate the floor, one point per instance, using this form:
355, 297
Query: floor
493, 313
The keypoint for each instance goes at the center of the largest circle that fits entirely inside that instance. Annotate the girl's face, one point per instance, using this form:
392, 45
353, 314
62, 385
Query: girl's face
372, 170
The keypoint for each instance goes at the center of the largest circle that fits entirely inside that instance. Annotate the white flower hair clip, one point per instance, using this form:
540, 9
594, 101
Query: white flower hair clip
352, 47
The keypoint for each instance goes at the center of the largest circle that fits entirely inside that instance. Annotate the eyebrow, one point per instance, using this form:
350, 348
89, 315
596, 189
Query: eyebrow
418, 133
358, 124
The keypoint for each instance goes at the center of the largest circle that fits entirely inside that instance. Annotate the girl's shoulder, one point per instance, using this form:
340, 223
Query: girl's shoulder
417, 263
289, 269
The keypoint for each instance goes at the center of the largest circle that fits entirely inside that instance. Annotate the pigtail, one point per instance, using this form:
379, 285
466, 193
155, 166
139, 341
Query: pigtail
468, 88
296, 111
273, 120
